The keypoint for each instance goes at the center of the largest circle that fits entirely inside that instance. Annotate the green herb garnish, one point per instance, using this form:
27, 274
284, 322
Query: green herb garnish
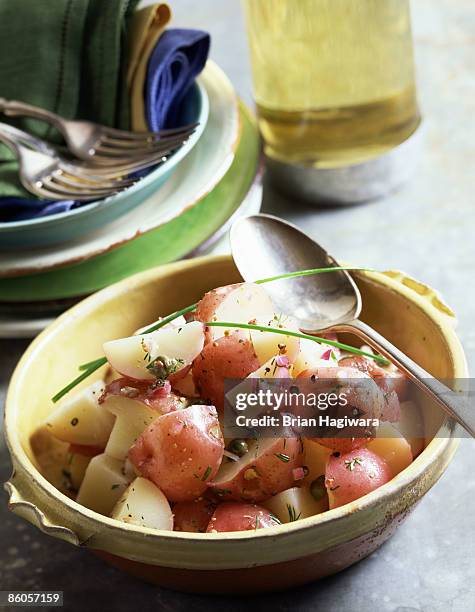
287, 332
282, 457
207, 473
293, 516
163, 366
351, 463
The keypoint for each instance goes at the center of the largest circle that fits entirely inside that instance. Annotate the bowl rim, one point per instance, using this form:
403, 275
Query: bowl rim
203, 114
443, 443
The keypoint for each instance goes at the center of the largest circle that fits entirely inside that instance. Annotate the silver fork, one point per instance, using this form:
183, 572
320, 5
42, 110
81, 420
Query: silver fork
100, 144
48, 176
117, 170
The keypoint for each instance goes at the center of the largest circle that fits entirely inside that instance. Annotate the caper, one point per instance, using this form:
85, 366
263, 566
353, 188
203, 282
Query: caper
317, 488
238, 446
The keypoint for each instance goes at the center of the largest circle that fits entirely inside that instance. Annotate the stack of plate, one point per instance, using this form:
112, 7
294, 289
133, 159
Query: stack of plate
217, 180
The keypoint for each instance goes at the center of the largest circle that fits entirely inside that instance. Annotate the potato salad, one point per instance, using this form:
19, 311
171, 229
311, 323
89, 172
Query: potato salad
146, 445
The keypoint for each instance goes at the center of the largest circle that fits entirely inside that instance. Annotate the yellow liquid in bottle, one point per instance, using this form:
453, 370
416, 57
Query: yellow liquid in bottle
333, 79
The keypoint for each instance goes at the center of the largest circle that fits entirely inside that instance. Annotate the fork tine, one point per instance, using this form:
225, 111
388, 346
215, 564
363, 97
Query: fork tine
82, 183
131, 146
51, 193
113, 149
51, 183
113, 169
87, 174
124, 135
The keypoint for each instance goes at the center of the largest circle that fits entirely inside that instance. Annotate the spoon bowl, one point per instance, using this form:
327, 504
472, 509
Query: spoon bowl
264, 246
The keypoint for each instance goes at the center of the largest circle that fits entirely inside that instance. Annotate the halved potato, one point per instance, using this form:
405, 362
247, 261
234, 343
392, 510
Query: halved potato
295, 503
81, 419
180, 452
103, 484
239, 303
313, 355
265, 470
233, 516
392, 446
133, 417
351, 475
230, 357
315, 459
267, 344
145, 505
131, 356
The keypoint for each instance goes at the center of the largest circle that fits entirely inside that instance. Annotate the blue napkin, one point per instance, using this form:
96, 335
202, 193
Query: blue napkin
179, 56
20, 209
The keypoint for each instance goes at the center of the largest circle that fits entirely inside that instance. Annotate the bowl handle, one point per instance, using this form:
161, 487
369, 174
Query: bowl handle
30, 512
426, 292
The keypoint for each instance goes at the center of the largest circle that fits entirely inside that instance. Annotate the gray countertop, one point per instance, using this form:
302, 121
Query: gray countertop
426, 229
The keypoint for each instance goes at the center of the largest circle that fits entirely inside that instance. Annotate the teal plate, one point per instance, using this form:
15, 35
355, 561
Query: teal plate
169, 242
65, 226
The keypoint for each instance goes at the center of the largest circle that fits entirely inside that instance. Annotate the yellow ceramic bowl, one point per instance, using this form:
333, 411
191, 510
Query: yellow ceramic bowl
408, 313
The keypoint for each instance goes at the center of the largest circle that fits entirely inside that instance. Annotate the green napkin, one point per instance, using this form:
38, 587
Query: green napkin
67, 56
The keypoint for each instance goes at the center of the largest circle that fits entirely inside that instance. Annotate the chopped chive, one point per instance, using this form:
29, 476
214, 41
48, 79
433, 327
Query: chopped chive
97, 363
293, 516
76, 381
287, 332
311, 272
282, 457
207, 473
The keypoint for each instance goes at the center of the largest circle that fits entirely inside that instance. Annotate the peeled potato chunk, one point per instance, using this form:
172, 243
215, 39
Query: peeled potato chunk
145, 505
315, 459
267, 344
392, 446
295, 503
103, 484
133, 417
313, 355
132, 356
239, 303
81, 419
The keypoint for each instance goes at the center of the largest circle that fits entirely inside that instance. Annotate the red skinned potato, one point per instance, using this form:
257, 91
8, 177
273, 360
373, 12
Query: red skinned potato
269, 467
193, 516
238, 303
158, 397
363, 399
388, 379
231, 356
354, 474
232, 516
180, 452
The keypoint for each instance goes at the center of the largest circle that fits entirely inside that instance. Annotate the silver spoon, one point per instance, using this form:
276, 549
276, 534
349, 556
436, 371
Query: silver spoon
264, 246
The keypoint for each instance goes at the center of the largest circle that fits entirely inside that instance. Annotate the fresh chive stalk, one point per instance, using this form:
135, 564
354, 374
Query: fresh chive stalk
311, 272
287, 332
90, 367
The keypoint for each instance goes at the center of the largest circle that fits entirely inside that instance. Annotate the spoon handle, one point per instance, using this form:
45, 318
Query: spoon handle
455, 405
